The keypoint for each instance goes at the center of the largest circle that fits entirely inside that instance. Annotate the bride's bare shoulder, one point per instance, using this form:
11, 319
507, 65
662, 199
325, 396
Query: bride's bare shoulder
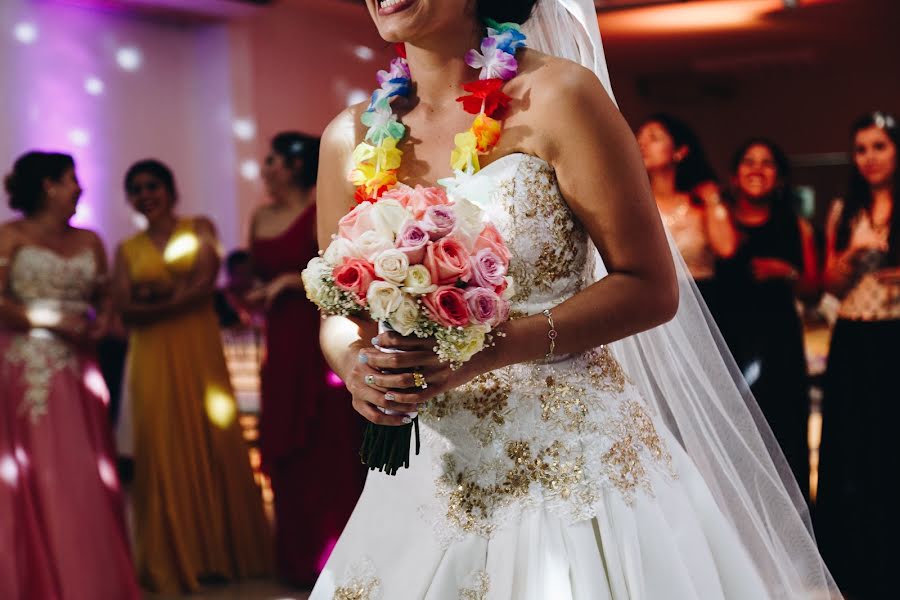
544, 75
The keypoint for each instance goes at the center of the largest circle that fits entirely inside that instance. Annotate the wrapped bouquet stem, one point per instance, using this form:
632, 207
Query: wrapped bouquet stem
386, 447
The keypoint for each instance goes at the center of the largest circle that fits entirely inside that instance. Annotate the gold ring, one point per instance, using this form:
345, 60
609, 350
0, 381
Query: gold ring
419, 380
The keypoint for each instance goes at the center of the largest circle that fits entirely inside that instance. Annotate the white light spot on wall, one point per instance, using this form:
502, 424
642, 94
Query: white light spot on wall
129, 58
355, 96
250, 170
25, 33
94, 86
94, 381
364, 53
244, 129
79, 137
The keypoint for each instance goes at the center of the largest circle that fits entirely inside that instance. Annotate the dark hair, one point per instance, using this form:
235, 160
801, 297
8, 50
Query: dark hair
236, 258
294, 148
695, 168
154, 168
859, 194
25, 184
505, 11
783, 201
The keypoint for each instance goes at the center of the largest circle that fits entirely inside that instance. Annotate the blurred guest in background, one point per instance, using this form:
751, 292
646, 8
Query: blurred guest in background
688, 198
856, 518
232, 305
308, 429
776, 259
198, 513
62, 526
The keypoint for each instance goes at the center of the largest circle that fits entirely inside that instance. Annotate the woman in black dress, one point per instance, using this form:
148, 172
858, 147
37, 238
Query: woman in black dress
857, 521
775, 261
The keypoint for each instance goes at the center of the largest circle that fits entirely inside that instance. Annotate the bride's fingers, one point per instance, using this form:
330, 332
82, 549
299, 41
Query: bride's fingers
398, 361
371, 413
395, 341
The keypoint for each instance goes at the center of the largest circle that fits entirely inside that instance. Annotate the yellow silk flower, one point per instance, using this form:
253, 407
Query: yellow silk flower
385, 155
486, 131
465, 155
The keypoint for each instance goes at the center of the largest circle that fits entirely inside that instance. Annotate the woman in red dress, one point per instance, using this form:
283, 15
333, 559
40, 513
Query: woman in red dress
308, 429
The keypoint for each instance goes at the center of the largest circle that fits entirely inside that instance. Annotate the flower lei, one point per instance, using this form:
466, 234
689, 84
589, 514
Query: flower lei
377, 158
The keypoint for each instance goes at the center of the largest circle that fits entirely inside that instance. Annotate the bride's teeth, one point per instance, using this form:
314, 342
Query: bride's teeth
389, 3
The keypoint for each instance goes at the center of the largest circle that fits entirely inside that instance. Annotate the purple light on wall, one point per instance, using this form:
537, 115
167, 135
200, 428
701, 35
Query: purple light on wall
333, 380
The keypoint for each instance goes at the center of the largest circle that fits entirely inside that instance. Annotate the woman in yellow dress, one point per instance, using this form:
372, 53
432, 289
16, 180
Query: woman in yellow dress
198, 513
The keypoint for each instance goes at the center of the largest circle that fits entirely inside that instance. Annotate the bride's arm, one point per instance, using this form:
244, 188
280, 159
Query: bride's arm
602, 177
343, 339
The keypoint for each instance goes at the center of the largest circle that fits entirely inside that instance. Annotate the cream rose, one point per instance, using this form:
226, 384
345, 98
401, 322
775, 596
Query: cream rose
313, 279
372, 243
392, 265
418, 281
469, 223
383, 299
388, 216
472, 343
404, 319
339, 249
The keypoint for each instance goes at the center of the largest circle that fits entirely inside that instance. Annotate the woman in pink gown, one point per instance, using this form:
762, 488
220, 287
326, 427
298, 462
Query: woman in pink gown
62, 531
308, 430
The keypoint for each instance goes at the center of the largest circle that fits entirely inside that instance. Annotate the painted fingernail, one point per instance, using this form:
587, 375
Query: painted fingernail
407, 420
375, 341
363, 358
390, 397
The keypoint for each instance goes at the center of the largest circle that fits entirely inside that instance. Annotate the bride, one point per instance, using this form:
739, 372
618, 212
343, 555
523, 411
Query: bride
577, 458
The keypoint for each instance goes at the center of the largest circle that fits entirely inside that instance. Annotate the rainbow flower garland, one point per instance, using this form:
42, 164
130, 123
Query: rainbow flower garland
377, 159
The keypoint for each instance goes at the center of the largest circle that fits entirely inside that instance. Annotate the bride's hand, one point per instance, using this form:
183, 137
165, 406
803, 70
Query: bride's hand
414, 375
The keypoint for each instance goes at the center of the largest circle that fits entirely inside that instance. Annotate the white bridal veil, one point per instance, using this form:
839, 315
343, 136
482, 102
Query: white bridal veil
685, 370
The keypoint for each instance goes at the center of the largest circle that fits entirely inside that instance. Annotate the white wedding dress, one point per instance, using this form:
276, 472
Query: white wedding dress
541, 481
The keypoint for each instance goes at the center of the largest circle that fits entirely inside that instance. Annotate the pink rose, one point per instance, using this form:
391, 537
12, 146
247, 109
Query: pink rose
439, 221
447, 261
485, 306
487, 269
418, 199
356, 222
412, 241
355, 276
447, 305
491, 239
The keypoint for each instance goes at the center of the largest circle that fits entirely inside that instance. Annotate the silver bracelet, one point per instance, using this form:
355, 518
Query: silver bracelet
551, 335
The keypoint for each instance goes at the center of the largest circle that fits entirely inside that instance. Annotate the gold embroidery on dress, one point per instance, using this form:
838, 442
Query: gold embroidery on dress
632, 432
41, 360
359, 582
478, 588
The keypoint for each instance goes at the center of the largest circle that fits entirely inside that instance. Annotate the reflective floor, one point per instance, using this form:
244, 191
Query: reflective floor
255, 590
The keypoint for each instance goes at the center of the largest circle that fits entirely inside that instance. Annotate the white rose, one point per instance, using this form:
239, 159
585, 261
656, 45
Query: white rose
392, 265
388, 216
404, 319
313, 279
371, 243
383, 298
339, 249
469, 222
418, 281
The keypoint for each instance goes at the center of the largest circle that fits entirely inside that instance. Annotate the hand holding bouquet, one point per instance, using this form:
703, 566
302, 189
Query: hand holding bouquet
421, 266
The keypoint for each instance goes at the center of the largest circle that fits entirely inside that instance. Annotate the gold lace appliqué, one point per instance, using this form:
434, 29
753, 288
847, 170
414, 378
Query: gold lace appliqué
360, 582
41, 359
477, 588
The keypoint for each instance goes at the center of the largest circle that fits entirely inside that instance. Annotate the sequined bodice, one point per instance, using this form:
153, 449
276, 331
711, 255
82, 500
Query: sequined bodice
552, 258
41, 275
532, 434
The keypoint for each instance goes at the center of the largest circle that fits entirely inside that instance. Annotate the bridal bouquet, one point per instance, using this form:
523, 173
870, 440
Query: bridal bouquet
421, 266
